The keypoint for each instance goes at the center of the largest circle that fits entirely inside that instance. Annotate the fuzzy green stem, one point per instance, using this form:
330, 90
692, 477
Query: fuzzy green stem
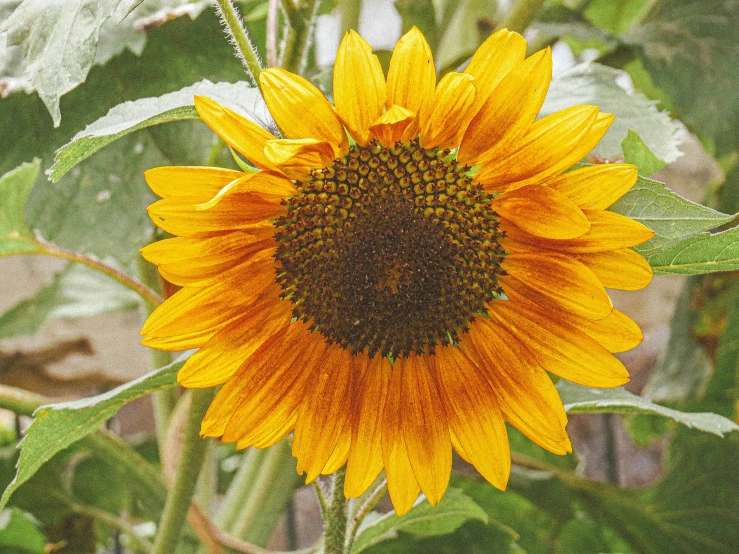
301, 17
522, 13
336, 520
191, 461
245, 49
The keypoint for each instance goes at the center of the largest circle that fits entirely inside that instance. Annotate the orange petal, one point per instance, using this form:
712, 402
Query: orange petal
493, 60
623, 269
475, 419
390, 126
365, 454
359, 86
297, 157
425, 427
301, 110
559, 346
556, 281
543, 212
199, 183
411, 79
451, 112
616, 333
244, 136
340, 455
596, 187
509, 111
402, 485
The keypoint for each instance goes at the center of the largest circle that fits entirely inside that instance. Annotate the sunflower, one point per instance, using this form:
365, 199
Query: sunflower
403, 270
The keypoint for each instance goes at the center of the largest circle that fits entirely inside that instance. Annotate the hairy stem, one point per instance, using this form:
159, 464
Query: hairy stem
245, 48
191, 460
336, 520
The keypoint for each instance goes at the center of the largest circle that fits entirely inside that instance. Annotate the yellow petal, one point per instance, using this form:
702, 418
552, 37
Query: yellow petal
390, 126
474, 416
244, 136
559, 346
509, 111
323, 411
402, 485
557, 281
223, 354
425, 427
359, 86
616, 333
301, 110
340, 454
596, 187
525, 392
296, 157
263, 183
365, 454
543, 212
411, 79
622, 269
547, 142
451, 112
193, 182
493, 60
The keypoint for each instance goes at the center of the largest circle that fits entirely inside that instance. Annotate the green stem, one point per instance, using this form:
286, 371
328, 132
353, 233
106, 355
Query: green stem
522, 13
245, 48
21, 401
208, 484
240, 488
191, 461
350, 10
336, 520
301, 18
367, 506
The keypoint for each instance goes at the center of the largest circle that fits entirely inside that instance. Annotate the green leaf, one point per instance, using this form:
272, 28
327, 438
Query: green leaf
15, 186
689, 48
703, 253
616, 17
75, 292
19, 529
596, 84
57, 426
469, 24
138, 114
639, 154
583, 400
422, 520
669, 215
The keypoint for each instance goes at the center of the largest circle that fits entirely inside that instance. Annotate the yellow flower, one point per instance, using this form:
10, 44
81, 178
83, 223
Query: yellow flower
391, 295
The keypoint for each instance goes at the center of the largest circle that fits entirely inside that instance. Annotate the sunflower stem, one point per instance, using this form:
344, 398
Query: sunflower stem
336, 520
191, 461
245, 48
350, 10
522, 13
301, 17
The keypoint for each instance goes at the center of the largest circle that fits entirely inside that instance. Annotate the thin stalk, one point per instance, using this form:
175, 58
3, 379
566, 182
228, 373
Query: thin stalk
350, 10
522, 13
273, 16
301, 17
611, 454
21, 402
240, 488
208, 482
367, 506
245, 49
334, 527
191, 461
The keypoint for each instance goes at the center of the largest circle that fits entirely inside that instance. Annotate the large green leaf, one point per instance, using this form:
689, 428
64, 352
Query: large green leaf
57, 426
78, 291
19, 530
639, 154
703, 253
138, 114
15, 186
423, 520
583, 400
669, 215
596, 84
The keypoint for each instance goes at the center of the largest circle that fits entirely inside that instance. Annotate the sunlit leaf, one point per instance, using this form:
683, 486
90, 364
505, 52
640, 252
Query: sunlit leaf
15, 186
20, 530
639, 154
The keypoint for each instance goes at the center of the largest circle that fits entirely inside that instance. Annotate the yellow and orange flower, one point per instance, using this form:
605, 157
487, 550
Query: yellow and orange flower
403, 270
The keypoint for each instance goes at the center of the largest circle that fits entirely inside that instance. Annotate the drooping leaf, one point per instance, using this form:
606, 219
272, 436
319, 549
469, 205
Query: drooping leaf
57, 426
702, 253
599, 85
423, 520
15, 186
669, 215
138, 114
583, 400
639, 154
19, 530
75, 292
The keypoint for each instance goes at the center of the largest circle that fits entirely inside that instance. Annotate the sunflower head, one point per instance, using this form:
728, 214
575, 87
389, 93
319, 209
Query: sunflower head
403, 269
